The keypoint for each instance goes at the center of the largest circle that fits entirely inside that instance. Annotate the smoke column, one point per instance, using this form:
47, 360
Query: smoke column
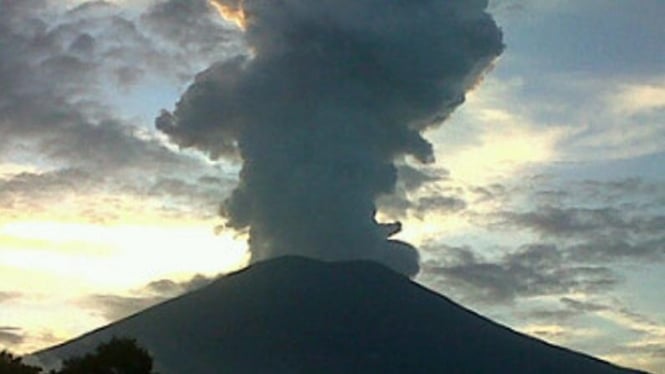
333, 91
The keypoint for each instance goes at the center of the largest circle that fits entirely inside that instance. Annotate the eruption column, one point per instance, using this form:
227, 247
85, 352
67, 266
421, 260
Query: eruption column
333, 92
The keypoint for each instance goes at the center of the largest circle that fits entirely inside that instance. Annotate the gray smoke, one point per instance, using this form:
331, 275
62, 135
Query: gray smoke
332, 93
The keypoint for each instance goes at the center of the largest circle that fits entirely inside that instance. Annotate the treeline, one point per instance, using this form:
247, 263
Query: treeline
117, 356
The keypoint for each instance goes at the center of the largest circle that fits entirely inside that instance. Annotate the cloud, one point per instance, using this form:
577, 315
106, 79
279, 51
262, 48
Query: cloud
563, 259
47, 183
62, 69
23, 204
420, 191
195, 193
192, 26
596, 235
168, 287
47, 79
614, 249
31, 195
581, 305
490, 192
7, 296
531, 270
72, 78
494, 136
508, 8
634, 99
331, 93
644, 348
412, 178
557, 221
583, 106
607, 118
114, 307
446, 204
567, 308
11, 335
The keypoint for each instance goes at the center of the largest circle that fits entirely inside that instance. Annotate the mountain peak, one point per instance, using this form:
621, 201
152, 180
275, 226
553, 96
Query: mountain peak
297, 315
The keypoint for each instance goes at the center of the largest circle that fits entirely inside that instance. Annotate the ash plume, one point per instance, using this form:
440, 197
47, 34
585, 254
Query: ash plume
331, 93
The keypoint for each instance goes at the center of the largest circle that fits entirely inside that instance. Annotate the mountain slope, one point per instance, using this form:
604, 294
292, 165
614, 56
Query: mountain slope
293, 315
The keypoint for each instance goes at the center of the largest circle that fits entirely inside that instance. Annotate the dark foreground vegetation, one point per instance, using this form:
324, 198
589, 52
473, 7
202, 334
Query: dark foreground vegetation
119, 355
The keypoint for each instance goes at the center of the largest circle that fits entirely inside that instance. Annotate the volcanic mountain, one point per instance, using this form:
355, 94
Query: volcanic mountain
295, 315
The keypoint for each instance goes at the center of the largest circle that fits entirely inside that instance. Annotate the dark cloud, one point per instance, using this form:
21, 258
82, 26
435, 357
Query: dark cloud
444, 204
582, 306
193, 192
532, 270
168, 287
549, 191
617, 248
188, 196
613, 189
54, 66
416, 194
569, 308
11, 335
45, 78
400, 205
332, 93
411, 178
577, 259
550, 314
559, 221
579, 229
32, 191
191, 25
172, 38
395, 206
507, 8
113, 146
37, 192
495, 191
596, 234
114, 307
562, 221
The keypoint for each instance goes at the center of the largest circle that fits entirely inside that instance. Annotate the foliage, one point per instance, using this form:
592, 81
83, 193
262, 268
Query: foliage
10, 364
119, 355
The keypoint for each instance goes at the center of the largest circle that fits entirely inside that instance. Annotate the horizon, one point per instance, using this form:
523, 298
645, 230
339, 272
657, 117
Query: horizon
543, 209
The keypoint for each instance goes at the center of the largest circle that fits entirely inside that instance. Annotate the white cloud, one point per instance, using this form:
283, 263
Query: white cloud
494, 136
622, 120
635, 99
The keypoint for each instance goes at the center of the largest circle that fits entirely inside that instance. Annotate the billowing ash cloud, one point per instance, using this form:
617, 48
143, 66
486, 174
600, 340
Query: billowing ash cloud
332, 92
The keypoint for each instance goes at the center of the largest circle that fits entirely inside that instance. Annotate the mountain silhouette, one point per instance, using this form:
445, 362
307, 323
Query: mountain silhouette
296, 315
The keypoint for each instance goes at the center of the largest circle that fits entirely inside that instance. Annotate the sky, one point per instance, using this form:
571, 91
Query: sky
544, 208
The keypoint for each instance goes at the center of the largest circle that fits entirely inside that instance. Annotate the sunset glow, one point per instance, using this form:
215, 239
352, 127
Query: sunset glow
235, 15
97, 254
142, 141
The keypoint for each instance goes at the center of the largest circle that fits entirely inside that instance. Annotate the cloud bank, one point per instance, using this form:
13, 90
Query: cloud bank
330, 95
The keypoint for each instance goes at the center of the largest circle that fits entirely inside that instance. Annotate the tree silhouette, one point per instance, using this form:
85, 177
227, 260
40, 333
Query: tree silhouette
10, 364
118, 356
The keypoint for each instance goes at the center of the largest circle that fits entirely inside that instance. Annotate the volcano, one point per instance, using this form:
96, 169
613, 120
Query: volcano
296, 315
